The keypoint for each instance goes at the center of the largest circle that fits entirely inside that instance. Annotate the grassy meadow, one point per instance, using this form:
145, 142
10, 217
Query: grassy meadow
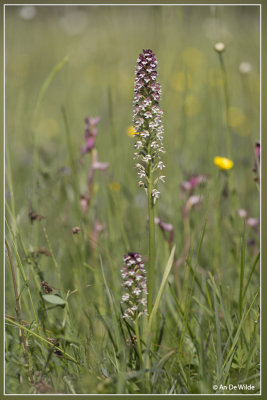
70, 219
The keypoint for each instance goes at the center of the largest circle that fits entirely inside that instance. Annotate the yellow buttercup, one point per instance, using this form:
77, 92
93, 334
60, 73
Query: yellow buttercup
223, 163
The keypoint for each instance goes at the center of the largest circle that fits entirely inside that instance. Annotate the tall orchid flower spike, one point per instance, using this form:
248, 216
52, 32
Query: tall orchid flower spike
147, 120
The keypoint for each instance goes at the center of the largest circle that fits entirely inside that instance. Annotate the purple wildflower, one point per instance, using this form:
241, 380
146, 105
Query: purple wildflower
95, 165
194, 181
250, 221
192, 201
90, 134
242, 213
84, 202
134, 281
147, 119
165, 228
253, 222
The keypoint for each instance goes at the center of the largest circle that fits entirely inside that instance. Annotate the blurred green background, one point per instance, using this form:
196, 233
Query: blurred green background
102, 44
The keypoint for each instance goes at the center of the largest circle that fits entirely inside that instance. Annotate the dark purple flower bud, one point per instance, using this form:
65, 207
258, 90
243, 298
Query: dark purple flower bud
258, 149
76, 230
256, 168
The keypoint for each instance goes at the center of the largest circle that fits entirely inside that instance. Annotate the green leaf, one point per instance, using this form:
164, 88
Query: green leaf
163, 283
51, 298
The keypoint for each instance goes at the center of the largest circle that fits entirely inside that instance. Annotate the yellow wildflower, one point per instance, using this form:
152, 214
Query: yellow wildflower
223, 163
114, 187
131, 131
236, 117
192, 105
181, 81
193, 58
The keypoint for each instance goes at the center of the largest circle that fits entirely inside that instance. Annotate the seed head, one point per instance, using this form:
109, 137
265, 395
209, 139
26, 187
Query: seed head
219, 47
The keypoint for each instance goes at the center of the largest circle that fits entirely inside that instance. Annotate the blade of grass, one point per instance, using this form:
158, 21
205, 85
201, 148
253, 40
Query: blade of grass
36, 112
166, 273
28, 358
236, 337
121, 365
251, 273
181, 311
218, 334
40, 338
21, 268
242, 268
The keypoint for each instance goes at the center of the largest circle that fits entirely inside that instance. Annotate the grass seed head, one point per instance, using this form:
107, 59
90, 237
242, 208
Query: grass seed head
219, 47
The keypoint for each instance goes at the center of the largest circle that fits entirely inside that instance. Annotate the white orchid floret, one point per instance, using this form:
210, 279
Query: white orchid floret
137, 291
148, 114
154, 145
145, 133
143, 301
160, 165
125, 297
129, 282
141, 174
138, 144
147, 158
140, 166
155, 193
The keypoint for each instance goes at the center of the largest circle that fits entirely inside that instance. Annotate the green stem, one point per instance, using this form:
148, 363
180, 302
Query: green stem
138, 341
228, 138
151, 240
227, 105
242, 268
71, 154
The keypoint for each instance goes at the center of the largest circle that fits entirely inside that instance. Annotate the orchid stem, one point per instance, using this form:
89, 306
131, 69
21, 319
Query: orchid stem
151, 240
138, 342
